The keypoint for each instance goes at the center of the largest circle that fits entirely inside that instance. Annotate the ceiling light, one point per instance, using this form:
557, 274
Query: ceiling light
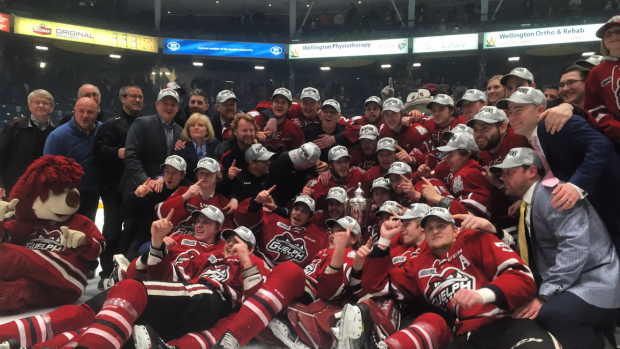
513, 59
417, 64
198, 64
269, 5
43, 48
115, 56
587, 54
167, 73
326, 68
359, 2
386, 66
259, 67
153, 73
217, 2
42, 65
307, 5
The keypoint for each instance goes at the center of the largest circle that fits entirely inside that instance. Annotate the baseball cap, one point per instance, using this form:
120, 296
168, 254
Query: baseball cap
212, 212
305, 154
488, 115
337, 153
471, 95
520, 72
460, 141
173, 85
345, 222
176, 162
256, 152
398, 168
338, 194
418, 99
369, 132
310, 92
524, 95
284, 92
518, 157
393, 104
615, 20
208, 164
381, 183
386, 143
439, 212
415, 211
331, 103
305, 200
374, 99
442, 99
590, 62
385, 208
460, 128
242, 232
225, 95
168, 92
442, 89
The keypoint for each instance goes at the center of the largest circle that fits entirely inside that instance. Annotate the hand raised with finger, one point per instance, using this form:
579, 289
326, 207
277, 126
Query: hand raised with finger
264, 197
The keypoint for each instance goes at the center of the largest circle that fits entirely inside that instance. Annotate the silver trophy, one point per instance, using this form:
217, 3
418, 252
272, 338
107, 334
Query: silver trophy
358, 207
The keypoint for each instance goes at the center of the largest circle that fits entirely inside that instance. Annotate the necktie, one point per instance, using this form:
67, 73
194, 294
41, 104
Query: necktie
522, 238
199, 151
550, 180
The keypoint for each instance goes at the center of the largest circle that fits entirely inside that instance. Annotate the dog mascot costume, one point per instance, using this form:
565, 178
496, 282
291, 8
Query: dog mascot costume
45, 251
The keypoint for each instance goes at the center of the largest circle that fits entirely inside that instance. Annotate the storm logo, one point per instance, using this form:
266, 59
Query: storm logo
185, 256
441, 288
218, 273
45, 240
287, 248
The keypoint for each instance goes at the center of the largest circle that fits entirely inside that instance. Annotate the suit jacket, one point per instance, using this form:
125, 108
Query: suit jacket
191, 157
216, 122
581, 155
573, 251
145, 151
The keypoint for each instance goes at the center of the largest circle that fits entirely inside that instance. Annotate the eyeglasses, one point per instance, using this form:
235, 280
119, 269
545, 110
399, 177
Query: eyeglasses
569, 83
134, 96
91, 94
609, 33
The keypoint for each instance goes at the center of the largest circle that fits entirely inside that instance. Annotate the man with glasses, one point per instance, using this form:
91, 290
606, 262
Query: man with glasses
572, 84
110, 154
90, 91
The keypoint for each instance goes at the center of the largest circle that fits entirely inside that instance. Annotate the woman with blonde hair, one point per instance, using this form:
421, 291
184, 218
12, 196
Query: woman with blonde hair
200, 142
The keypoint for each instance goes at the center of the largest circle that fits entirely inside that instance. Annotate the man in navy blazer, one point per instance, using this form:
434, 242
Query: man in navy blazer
150, 141
578, 298
578, 155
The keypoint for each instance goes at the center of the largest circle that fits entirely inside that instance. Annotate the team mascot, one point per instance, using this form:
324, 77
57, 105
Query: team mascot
44, 253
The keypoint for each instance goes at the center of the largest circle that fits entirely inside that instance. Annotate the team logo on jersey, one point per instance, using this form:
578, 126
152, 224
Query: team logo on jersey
457, 185
287, 248
311, 268
219, 273
186, 256
186, 226
442, 287
45, 240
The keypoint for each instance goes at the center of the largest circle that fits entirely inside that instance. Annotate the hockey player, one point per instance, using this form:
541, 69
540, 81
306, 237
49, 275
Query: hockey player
336, 199
364, 154
386, 156
443, 119
372, 113
471, 102
476, 278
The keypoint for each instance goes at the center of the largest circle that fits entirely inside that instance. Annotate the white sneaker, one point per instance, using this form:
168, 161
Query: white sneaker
284, 334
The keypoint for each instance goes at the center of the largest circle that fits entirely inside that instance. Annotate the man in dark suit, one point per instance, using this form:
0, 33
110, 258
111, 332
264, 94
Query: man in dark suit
23, 139
226, 105
578, 155
90, 91
149, 142
571, 251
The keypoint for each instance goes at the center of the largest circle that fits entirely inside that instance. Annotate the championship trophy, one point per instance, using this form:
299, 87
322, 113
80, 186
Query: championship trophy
358, 207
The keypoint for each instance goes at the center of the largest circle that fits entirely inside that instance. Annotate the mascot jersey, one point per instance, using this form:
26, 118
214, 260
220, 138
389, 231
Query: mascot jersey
42, 239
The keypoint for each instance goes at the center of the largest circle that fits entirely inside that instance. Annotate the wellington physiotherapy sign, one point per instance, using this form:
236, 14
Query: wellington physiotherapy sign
349, 48
223, 48
445, 43
541, 36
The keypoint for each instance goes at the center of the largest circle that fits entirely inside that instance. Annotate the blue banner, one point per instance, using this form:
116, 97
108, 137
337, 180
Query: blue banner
223, 48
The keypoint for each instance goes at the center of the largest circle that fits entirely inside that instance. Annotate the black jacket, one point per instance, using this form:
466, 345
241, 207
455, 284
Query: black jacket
225, 154
103, 116
110, 138
216, 122
314, 131
288, 180
17, 150
246, 185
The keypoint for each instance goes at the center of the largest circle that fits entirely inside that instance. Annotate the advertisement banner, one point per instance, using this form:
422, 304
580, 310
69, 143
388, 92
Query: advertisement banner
4, 22
68, 32
349, 48
445, 43
223, 48
541, 36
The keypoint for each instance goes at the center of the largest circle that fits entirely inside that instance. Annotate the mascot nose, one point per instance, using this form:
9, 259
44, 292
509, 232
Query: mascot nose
73, 199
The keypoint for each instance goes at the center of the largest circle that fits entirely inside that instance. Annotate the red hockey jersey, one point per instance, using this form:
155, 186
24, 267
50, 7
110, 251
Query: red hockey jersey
475, 260
278, 241
351, 131
602, 98
362, 121
182, 218
320, 191
288, 136
512, 140
409, 138
361, 160
370, 175
68, 266
327, 286
437, 132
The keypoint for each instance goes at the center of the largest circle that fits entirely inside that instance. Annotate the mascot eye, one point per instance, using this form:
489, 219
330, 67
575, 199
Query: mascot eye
450, 277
